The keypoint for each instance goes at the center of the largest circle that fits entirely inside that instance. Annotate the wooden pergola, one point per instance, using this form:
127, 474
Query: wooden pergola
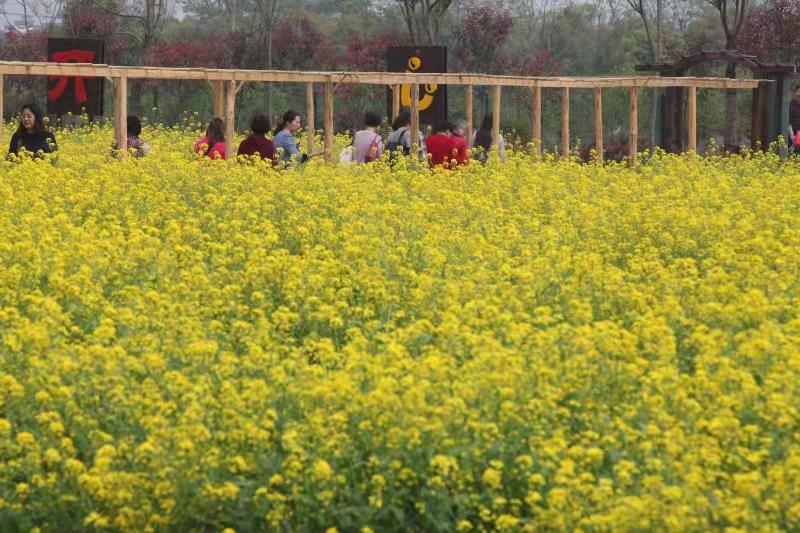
232, 80
770, 109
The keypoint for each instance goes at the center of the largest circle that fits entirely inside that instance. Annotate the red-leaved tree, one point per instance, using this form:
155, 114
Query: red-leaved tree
299, 44
21, 46
84, 19
364, 54
772, 32
481, 32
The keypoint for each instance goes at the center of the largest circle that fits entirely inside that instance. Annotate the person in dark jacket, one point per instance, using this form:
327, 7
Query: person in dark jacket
794, 120
31, 135
257, 144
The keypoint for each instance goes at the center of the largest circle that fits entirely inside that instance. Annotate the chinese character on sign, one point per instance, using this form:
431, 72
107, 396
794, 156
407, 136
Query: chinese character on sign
71, 56
75, 94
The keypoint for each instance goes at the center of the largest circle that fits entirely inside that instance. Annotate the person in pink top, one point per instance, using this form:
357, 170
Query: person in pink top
367, 143
213, 144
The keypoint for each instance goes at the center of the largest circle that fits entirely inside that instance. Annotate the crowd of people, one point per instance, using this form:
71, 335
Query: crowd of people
445, 147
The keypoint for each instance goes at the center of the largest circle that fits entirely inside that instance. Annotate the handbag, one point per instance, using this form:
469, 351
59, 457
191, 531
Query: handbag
372, 151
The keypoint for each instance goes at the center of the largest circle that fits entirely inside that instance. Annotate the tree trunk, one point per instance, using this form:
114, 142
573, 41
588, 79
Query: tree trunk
232, 15
655, 125
731, 137
269, 66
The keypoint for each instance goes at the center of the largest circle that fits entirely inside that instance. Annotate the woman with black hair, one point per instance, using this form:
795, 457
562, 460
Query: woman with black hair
482, 141
285, 145
31, 135
367, 143
257, 144
400, 138
137, 146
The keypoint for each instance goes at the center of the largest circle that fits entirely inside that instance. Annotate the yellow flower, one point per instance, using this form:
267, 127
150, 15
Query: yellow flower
506, 522
322, 470
263, 344
492, 478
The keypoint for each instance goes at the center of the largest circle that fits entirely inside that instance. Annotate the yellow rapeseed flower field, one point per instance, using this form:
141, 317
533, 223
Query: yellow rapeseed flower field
535, 345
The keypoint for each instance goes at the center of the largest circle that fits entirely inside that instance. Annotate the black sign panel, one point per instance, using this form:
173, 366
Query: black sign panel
74, 94
432, 97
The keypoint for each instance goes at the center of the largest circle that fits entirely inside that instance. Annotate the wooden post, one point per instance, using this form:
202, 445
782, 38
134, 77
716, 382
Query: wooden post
758, 122
310, 117
565, 121
395, 100
633, 138
230, 124
598, 124
219, 98
115, 88
537, 119
691, 119
415, 120
496, 101
328, 121
469, 113
121, 114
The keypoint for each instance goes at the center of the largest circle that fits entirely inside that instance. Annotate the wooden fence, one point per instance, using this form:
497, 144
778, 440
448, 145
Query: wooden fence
226, 83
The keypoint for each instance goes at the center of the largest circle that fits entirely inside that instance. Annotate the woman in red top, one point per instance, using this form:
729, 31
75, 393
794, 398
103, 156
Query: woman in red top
257, 144
213, 144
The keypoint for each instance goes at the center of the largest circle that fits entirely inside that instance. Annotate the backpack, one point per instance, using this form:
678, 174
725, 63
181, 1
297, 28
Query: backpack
395, 146
372, 151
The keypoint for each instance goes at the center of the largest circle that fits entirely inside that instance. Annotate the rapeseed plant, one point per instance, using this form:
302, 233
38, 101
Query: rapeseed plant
521, 346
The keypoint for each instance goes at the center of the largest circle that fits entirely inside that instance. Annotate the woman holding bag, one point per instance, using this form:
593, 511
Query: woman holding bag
367, 143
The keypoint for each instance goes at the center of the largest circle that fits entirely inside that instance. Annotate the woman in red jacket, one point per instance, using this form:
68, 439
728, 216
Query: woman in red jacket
213, 144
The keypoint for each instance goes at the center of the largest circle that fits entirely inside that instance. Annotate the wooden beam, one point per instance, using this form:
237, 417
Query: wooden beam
598, 124
691, 119
328, 121
496, 109
374, 78
121, 115
565, 121
395, 100
219, 98
469, 107
414, 121
230, 119
537, 119
310, 117
633, 138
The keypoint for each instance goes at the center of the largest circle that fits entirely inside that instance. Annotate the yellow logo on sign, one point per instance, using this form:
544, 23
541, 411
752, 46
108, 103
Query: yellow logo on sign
414, 63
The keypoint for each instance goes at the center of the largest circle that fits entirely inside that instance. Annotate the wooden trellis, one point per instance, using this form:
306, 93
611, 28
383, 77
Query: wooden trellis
225, 98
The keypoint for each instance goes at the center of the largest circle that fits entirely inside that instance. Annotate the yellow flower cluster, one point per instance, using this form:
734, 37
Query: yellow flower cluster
522, 346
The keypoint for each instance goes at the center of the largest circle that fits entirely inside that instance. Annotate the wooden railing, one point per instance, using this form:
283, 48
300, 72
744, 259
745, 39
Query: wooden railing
232, 80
